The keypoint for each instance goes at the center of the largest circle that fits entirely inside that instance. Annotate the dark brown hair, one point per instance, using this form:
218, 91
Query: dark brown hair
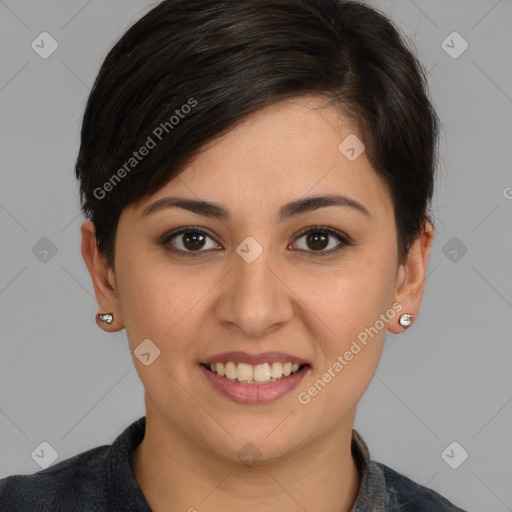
188, 70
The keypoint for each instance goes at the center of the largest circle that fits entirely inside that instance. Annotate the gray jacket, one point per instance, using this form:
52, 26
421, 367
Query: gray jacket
102, 479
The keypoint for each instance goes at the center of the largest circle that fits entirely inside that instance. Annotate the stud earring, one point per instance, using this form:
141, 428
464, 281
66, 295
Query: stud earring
106, 317
405, 320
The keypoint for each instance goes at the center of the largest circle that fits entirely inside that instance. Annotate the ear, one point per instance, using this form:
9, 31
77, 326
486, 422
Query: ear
103, 279
411, 276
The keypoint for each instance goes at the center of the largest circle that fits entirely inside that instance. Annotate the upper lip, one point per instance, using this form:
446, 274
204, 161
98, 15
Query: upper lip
253, 359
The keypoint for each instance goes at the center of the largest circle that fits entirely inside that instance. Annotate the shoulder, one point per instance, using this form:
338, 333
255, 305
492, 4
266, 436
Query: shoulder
95, 480
76, 481
408, 496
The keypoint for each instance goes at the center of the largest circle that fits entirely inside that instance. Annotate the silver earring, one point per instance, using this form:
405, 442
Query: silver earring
107, 317
405, 320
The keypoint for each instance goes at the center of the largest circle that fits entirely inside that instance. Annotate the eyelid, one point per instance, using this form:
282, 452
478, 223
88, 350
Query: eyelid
168, 236
344, 240
332, 231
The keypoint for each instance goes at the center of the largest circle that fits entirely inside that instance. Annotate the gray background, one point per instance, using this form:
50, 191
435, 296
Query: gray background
64, 381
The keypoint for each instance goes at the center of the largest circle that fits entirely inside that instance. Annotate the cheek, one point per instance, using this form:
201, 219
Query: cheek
360, 291
163, 308
161, 300
356, 309
348, 351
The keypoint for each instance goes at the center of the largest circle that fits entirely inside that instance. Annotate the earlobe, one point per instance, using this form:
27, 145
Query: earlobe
411, 280
103, 280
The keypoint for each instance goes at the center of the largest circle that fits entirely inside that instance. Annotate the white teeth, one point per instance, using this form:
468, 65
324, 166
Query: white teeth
244, 372
260, 373
231, 370
276, 371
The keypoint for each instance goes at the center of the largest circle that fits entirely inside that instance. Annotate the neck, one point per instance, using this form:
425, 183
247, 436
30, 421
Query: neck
177, 473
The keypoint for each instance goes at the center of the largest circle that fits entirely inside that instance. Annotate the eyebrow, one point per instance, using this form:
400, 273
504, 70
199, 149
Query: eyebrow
287, 211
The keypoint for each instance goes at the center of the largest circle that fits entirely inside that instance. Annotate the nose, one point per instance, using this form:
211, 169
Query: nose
256, 298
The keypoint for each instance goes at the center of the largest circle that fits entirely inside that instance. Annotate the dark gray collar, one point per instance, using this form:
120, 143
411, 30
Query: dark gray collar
125, 495
372, 495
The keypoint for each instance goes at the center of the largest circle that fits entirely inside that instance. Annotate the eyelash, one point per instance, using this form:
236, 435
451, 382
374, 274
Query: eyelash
166, 239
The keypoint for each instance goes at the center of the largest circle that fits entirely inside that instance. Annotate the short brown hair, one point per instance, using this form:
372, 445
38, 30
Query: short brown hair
227, 58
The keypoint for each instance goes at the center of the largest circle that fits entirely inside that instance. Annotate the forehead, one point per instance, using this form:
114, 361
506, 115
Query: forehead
288, 150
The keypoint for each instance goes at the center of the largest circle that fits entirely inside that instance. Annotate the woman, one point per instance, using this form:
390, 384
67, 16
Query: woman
256, 177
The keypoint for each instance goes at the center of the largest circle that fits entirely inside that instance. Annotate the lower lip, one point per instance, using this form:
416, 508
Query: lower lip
254, 393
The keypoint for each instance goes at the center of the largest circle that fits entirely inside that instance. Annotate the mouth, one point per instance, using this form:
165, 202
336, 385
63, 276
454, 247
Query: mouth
254, 378
264, 373
259, 384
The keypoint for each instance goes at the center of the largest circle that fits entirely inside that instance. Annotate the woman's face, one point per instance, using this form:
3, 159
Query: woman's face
255, 282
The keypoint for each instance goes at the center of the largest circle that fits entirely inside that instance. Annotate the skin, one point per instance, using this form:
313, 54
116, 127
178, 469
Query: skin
290, 299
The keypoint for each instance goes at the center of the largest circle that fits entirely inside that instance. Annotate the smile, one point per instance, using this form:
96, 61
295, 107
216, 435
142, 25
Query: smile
254, 374
249, 390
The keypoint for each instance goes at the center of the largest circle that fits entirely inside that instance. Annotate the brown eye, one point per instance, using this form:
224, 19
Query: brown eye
188, 242
318, 239
193, 240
